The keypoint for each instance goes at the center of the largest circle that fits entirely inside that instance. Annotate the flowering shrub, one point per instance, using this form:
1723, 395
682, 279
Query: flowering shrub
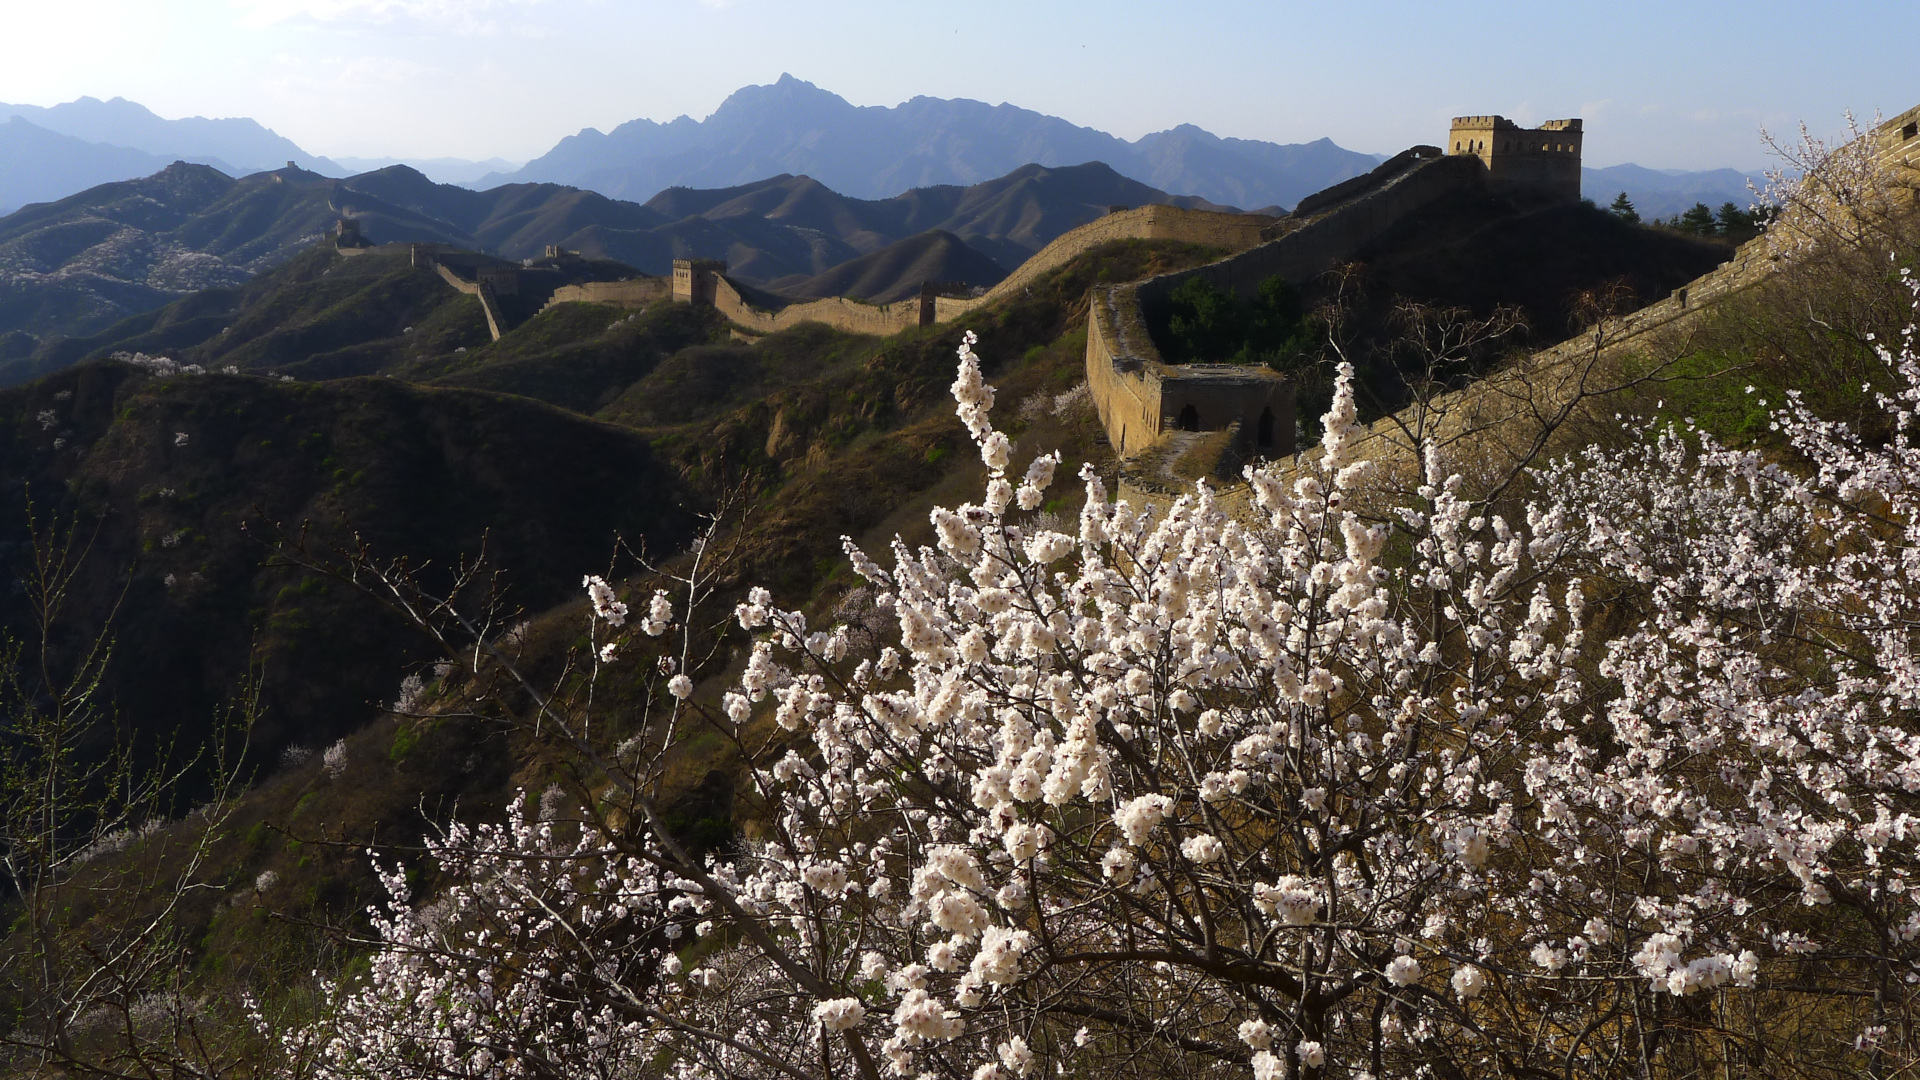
1617, 781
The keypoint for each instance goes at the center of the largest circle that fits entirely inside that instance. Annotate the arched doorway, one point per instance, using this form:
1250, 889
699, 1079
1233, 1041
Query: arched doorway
1265, 430
1189, 419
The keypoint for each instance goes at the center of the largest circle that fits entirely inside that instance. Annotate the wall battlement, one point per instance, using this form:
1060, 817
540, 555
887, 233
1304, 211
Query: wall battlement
1540, 163
1899, 139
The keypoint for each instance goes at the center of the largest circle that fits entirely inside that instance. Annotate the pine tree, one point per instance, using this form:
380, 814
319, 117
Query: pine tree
1698, 220
1736, 223
1623, 206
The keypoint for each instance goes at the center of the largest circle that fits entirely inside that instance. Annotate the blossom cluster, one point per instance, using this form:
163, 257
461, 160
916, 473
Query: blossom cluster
1296, 791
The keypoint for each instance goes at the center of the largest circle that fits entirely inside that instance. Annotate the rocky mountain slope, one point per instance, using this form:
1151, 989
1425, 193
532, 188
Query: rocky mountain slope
896, 271
183, 479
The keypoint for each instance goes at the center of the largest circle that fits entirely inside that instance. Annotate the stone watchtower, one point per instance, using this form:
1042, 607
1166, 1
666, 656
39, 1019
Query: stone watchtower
1536, 164
694, 280
346, 233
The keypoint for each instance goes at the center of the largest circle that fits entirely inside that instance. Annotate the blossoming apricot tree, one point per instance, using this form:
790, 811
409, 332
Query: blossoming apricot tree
1615, 782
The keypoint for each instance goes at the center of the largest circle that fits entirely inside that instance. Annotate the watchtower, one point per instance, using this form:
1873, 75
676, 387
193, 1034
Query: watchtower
694, 280
346, 233
1899, 140
1537, 164
503, 279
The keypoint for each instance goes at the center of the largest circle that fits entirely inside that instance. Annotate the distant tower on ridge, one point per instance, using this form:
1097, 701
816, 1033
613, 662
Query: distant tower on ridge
1536, 164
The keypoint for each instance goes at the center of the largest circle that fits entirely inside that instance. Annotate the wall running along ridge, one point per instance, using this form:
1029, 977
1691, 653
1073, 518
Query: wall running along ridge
496, 322
634, 293
705, 281
1142, 400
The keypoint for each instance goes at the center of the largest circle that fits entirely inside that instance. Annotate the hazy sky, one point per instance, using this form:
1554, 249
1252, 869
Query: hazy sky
1671, 84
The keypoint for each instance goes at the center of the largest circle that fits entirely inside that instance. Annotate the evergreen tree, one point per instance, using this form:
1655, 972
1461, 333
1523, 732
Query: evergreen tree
1735, 223
1698, 220
1623, 206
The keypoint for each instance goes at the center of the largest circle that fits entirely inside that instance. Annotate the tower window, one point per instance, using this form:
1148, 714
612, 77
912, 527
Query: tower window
1910, 131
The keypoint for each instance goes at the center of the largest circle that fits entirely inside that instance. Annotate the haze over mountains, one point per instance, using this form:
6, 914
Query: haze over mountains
50, 153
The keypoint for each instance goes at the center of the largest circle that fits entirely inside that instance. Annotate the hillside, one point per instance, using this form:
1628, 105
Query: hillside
896, 271
788, 227
807, 435
320, 311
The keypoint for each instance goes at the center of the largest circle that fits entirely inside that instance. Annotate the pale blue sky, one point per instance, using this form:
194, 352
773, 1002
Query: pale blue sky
1666, 84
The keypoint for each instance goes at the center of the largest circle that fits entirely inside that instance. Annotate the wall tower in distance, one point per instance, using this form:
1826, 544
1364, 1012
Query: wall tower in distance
1535, 164
694, 280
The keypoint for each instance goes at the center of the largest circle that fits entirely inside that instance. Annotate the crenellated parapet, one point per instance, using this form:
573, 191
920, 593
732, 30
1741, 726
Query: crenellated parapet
1541, 163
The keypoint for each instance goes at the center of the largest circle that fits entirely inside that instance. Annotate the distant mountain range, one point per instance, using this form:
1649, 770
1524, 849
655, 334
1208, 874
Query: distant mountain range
872, 152
789, 127
50, 153
441, 170
75, 266
1659, 193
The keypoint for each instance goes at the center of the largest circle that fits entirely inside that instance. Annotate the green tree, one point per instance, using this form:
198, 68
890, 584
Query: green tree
1698, 220
1735, 223
1205, 323
1623, 206
1208, 324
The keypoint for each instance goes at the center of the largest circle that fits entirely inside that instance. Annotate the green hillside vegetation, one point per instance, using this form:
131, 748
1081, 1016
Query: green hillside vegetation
577, 356
1204, 323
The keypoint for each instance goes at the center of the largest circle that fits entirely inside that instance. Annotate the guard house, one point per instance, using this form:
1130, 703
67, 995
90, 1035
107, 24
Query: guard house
1536, 164
503, 279
346, 233
694, 280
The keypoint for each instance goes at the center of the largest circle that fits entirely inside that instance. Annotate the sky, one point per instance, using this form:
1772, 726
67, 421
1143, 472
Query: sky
1673, 84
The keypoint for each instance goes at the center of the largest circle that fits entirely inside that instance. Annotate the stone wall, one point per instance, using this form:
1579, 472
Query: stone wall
1331, 235
1899, 139
704, 281
496, 321
693, 279
840, 313
1141, 399
1234, 232
633, 293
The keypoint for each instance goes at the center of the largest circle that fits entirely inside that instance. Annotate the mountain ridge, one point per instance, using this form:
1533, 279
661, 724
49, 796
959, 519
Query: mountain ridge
75, 267
872, 151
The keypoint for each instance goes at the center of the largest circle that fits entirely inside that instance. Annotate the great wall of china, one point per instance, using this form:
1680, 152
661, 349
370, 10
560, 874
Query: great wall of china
1172, 424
